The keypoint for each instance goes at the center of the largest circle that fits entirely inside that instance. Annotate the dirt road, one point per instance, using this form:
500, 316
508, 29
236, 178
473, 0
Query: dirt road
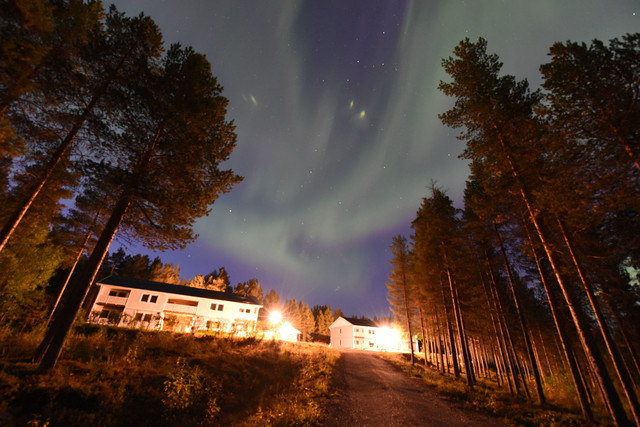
373, 392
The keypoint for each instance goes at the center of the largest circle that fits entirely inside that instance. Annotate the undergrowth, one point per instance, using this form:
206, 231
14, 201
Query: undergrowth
486, 396
117, 377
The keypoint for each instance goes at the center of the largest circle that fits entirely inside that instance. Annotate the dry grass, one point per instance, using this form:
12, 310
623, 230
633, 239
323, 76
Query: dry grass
110, 376
486, 396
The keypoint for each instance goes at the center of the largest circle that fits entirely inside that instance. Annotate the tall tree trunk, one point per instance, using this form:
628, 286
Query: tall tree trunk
73, 267
458, 317
521, 318
408, 313
591, 351
467, 347
36, 187
506, 333
618, 363
59, 329
625, 338
452, 348
424, 336
497, 329
79, 286
562, 333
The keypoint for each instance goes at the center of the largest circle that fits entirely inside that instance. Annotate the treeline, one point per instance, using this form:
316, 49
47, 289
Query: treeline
534, 279
103, 131
313, 323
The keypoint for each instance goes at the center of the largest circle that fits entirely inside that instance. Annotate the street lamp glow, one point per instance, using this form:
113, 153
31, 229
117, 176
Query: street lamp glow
275, 317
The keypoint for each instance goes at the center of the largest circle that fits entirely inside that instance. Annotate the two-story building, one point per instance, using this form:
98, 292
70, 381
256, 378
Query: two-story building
137, 303
364, 334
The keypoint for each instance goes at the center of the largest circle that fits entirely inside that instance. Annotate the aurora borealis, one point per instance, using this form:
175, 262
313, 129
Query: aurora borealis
336, 108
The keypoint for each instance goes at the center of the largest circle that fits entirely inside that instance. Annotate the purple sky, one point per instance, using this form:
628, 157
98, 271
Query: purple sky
336, 107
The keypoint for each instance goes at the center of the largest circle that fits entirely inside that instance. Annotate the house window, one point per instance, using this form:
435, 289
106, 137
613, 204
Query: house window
213, 306
120, 294
137, 317
149, 298
147, 317
220, 307
104, 314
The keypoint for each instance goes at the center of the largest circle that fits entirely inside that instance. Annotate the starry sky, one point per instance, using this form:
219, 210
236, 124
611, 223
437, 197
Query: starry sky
336, 107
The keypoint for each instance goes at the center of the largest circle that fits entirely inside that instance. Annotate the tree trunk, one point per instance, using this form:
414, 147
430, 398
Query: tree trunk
618, 363
591, 351
452, 348
73, 267
42, 179
521, 318
79, 286
59, 329
504, 329
497, 329
562, 333
458, 317
424, 336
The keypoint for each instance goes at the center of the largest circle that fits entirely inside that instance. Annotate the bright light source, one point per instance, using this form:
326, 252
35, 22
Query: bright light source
389, 339
275, 317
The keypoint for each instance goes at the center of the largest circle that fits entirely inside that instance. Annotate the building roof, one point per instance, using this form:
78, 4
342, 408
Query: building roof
361, 322
129, 282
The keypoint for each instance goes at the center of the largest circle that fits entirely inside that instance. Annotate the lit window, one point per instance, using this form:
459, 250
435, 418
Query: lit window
213, 306
145, 298
220, 307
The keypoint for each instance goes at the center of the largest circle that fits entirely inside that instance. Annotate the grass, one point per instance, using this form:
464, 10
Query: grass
486, 396
110, 377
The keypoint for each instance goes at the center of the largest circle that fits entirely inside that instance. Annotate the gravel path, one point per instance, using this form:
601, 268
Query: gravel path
373, 392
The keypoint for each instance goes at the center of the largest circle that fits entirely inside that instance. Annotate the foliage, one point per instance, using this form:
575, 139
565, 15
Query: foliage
112, 376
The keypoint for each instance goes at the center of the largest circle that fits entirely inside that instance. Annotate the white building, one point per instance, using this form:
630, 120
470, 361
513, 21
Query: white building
137, 303
364, 334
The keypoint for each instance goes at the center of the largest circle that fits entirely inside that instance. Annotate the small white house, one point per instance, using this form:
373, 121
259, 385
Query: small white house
284, 332
137, 303
364, 334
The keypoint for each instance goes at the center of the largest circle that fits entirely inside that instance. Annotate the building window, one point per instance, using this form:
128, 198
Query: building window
213, 306
149, 298
120, 294
137, 317
220, 307
147, 317
104, 314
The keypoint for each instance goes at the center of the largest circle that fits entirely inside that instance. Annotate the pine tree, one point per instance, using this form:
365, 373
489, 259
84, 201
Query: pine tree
402, 298
171, 146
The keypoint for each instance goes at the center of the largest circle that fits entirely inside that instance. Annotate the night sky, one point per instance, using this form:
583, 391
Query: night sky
336, 107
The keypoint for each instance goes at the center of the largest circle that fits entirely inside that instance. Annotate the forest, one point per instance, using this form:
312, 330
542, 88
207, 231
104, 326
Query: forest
105, 133
533, 283
103, 130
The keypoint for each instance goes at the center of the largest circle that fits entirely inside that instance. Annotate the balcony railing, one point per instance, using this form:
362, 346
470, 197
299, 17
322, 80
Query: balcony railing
113, 300
181, 308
